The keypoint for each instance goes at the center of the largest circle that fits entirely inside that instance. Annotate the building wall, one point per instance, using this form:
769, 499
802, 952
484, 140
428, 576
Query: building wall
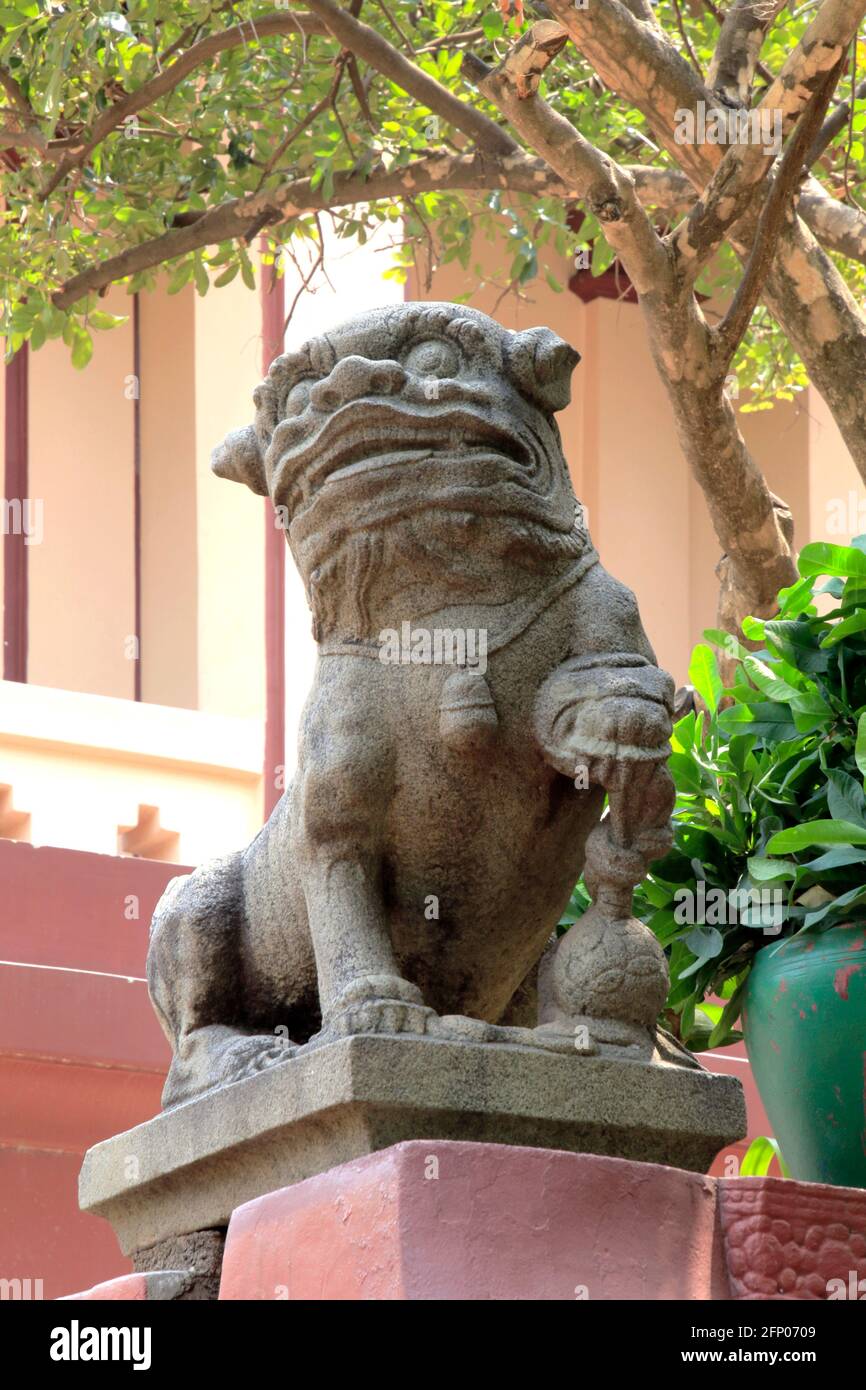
230, 519
169, 538
81, 574
92, 772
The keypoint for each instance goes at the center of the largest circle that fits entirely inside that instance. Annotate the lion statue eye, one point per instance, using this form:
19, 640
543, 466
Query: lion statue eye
433, 358
299, 397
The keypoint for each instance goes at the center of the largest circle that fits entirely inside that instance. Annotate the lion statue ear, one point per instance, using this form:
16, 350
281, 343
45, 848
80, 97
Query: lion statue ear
541, 365
239, 458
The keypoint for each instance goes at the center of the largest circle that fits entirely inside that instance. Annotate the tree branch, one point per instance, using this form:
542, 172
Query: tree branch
526, 60
605, 188
804, 290
777, 204
836, 225
366, 43
27, 134
813, 67
738, 47
15, 93
234, 218
32, 139
641, 9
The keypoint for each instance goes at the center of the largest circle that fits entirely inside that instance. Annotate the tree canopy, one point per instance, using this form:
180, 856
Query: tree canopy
157, 139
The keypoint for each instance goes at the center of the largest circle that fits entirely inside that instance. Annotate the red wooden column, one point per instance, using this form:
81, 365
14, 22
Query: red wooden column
15, 490
273, 319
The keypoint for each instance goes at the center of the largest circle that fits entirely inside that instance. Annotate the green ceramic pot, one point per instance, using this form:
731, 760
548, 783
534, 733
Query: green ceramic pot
804, 1022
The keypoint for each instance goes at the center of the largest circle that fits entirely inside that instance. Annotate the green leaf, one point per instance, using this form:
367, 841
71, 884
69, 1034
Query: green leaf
493, 25
770, 722
799, 642
839, 631
845, 798
816, 832
810, 712
759, 1156
227, 276
822, 558
180, 276
704, 676
766, 870
846, 900
82, 349
705, 943
753, 628
726, 641
721, 1034
97, 318
202, 279
602, 256
686, 773
796, 599
767, 681
836, 859
860, 746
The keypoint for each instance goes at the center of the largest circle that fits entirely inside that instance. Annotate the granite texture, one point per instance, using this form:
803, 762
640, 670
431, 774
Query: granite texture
199, 1253
197, 1162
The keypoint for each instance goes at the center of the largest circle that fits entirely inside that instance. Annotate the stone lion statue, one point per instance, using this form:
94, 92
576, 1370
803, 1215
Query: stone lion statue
482, 683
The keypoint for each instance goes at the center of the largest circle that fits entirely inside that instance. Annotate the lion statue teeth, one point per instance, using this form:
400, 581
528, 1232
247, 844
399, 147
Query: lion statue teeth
482, 684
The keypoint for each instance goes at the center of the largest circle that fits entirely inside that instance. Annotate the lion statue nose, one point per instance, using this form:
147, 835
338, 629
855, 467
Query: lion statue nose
354, 377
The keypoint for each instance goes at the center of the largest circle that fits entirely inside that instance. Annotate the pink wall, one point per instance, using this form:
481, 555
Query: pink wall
81, 1054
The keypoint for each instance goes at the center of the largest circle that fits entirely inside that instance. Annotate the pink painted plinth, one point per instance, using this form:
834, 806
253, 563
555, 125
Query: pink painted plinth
447, 1220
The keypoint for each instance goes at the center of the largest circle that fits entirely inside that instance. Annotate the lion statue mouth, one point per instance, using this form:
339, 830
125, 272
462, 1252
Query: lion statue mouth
369, 436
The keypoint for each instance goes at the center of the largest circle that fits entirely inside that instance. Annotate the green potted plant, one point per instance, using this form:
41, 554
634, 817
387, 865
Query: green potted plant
761, 903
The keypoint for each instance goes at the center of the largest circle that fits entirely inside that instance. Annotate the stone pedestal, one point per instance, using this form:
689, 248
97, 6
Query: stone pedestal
187, 1170
446, 1220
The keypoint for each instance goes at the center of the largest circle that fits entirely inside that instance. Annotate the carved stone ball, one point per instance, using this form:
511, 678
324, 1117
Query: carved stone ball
610, 969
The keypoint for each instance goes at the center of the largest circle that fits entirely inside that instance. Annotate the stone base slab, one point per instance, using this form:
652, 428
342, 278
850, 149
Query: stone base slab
188, 1169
